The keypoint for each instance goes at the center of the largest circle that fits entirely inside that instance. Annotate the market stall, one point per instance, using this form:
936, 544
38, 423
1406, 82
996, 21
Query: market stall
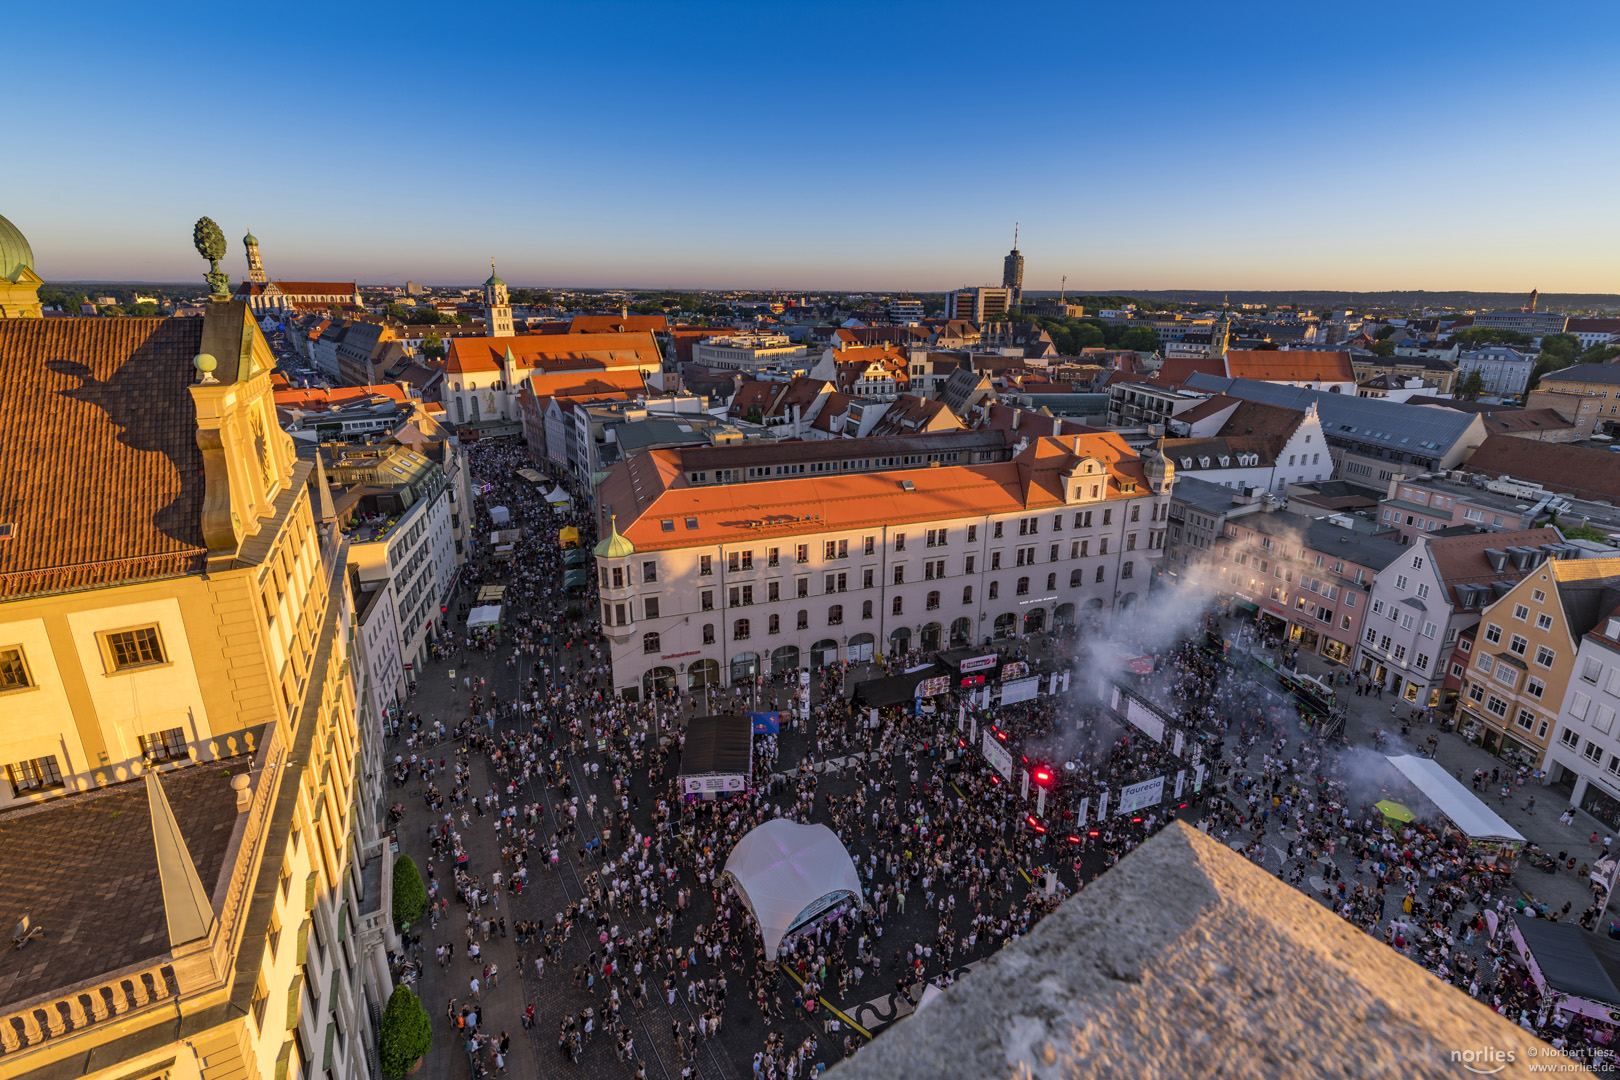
484, 617
1579, 969
1488, 837
568, 537
500, 515
717, 758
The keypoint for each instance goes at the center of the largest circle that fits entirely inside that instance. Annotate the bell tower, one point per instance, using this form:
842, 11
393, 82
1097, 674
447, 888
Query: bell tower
497, 310
255, 264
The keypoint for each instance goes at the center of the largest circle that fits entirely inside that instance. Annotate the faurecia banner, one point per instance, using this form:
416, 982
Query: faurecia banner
979, 663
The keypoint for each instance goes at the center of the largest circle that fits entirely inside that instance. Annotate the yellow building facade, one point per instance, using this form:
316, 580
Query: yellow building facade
183, 812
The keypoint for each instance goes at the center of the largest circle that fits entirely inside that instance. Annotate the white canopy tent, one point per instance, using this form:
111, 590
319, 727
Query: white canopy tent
487, 615
500, 515
788, 874
1460, 806
559, 496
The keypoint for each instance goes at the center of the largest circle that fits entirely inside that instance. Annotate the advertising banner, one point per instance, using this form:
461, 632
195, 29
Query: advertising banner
1102, 806
998, 756
978, 663
1176, 744
1139, 796
932, 687
702, 785
1080, 814
1145, 718
1020, 690
1181, 778
765, 723
1015, 670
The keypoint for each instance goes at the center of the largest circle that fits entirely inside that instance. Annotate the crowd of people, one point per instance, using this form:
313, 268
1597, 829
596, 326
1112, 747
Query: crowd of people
602, 873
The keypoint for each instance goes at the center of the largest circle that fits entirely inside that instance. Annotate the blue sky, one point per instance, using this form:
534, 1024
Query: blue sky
859, 146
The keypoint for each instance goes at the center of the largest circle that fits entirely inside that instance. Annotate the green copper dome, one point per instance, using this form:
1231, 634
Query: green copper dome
494, 279
250, 240
15, 254
615, 546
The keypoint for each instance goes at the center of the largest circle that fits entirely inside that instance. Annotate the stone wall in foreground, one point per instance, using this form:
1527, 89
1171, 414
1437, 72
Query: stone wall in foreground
1187, 961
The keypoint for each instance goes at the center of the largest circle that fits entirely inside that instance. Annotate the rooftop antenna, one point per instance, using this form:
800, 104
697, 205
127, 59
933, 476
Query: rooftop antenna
1063, 293
1015, 236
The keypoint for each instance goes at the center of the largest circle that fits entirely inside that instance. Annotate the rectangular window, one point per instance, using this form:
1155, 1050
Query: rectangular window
1518, 645
748, 560
36, 774
649, 607
134, 648
802, 553
1543, 622
167, 745
804, 587
734, 561
1496, 706
14, 670
1493, 633
1521, 612
1545, 656
773, 557
899, 541
708, 600
649, 571
900, 575
773, 592
705, 565
1569, 738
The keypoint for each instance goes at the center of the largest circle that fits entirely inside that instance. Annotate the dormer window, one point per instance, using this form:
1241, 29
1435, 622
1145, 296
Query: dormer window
1186, 463
1203, 463
1225, 461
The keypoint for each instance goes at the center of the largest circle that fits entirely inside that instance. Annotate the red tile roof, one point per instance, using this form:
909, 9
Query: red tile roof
1276, 365
778, 509
1460, 560
98, 436
585, 383
554, 352
310, 400
1574, 470
617, 324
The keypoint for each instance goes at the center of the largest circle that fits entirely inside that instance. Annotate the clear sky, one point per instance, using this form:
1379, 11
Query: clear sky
874, 146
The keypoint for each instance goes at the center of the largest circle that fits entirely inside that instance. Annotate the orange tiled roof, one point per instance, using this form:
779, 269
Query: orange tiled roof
317, 288
617, 324
327, 399
104, 477
584, 383
776, 509
1275, 365
553, 352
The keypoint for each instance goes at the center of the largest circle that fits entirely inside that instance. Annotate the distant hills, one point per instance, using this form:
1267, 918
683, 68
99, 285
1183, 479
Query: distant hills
1400, 299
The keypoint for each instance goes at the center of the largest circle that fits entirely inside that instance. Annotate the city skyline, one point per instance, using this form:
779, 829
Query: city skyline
733, 148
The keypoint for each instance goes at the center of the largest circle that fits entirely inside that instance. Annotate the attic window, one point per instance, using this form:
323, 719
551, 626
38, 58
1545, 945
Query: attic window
668, 524
5, 531
1186, 463
691, 523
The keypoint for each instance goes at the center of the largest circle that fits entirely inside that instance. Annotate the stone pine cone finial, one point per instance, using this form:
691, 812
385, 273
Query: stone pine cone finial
209, 241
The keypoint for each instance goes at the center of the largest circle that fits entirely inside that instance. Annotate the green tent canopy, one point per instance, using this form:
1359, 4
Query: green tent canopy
575, 579
576, 556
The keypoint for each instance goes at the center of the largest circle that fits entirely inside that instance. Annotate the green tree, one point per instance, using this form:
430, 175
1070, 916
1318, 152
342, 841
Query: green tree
433, 347
1386, 332
1139, 339
1383, 348
112, 311
1088, 336
410, 894
406, 1034
146, 310
1561, 347
1490, 335
1600, 354
1471, 387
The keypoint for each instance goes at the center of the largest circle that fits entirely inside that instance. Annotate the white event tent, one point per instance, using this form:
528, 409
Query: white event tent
788, 874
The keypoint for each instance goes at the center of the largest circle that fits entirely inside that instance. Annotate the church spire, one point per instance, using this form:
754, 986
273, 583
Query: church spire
497, 309
255, 263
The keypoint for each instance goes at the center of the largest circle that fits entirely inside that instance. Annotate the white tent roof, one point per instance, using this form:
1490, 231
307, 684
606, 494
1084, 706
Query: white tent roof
488, 615
558, 495
500, 515
1455, 801
781, 868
